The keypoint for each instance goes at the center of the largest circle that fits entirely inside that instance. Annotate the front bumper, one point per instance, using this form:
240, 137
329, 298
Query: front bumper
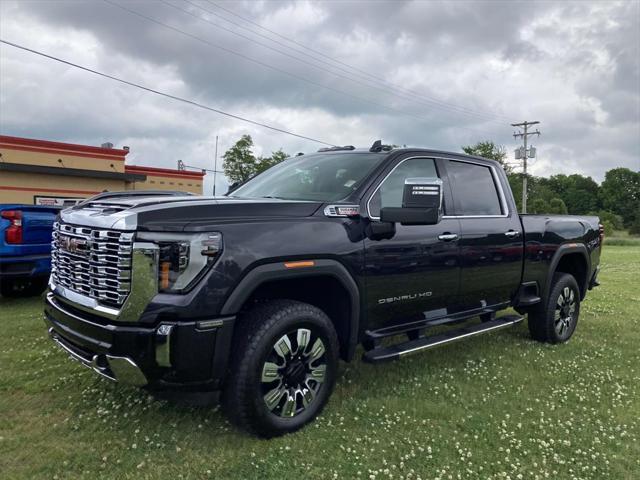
183, 355
114, 368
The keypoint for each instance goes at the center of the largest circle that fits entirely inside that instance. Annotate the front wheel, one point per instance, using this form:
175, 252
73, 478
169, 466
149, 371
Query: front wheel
283, 367
556, 320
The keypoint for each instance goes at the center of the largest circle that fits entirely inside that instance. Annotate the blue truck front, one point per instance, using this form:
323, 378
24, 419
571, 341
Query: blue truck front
25, 248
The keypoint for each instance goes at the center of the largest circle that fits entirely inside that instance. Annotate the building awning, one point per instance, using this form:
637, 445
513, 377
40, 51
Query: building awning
72, 172
61, 148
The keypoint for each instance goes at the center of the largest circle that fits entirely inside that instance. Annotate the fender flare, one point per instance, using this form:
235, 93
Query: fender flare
277, 271
563, 250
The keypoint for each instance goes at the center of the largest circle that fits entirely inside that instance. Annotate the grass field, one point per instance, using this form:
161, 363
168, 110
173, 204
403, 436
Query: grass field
623, 239
495, 407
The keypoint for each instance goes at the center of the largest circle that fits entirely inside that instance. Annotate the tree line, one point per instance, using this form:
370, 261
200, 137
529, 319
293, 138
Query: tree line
616, 200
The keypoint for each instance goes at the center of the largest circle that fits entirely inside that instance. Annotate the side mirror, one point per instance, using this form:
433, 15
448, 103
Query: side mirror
380, 230
421, 203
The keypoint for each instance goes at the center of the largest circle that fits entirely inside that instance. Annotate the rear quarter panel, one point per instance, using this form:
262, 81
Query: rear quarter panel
549, 236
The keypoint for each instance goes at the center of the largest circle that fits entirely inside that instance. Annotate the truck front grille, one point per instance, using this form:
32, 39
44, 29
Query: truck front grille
92, 262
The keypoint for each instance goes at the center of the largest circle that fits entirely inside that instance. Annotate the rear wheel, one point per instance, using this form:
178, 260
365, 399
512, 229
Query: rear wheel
283, 368
557, 319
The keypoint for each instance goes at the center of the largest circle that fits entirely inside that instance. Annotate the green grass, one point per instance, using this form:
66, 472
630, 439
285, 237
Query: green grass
622, 238
494, 407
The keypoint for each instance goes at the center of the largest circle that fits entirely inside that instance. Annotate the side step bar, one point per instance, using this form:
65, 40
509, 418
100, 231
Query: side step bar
394, 352
528, 300
374, 336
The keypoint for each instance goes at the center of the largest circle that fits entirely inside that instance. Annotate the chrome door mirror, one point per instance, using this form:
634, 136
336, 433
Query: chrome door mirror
421, 203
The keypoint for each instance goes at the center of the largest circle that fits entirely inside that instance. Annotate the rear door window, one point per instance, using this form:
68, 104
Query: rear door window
474, 189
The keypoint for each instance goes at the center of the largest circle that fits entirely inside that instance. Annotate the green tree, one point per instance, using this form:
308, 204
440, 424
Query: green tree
515, 182
240, 163
538, 206
580, 194
537, 189
620, 194
610, 220
556, 205
488, 149
634, 228
268, 162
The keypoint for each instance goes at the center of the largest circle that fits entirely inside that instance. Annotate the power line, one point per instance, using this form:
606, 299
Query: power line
370, 83
184, 166
378, 79
282, 71
215, 166
163, 94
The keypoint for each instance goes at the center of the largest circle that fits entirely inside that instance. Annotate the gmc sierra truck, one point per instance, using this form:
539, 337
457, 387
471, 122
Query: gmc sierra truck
258, 294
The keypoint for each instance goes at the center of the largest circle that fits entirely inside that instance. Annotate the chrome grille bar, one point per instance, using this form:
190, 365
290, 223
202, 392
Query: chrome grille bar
92, 262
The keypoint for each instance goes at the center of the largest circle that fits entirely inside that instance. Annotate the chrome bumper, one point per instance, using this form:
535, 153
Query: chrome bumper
118, 369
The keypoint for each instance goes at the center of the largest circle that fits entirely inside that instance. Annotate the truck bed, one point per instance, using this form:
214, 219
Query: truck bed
544, 235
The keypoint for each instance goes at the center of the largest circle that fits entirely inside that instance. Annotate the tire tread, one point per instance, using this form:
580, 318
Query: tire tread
252, 328
540, 318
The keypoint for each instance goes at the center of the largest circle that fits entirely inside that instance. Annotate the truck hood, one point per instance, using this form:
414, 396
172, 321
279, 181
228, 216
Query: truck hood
178, 214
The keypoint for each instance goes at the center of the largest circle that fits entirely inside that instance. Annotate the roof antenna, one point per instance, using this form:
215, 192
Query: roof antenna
376, 147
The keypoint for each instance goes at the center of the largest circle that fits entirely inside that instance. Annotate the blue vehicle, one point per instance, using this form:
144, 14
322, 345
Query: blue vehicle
25, 248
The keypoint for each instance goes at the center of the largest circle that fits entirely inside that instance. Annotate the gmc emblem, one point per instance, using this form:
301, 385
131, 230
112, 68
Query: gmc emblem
73, 244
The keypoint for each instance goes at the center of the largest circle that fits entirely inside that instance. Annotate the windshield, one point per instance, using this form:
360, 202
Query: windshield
321, 177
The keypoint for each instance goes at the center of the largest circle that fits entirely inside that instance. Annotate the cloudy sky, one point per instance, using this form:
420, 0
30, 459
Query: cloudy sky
420, 73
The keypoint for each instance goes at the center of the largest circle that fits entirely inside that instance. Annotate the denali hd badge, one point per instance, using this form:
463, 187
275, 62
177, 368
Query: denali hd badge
402, 298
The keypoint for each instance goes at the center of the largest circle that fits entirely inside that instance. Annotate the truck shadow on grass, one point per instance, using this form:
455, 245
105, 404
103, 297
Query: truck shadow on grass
436, 377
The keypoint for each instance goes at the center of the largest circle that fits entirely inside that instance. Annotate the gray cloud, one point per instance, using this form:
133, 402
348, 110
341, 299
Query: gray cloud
572, 65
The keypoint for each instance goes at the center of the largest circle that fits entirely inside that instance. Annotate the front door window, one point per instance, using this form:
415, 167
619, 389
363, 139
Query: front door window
389, 193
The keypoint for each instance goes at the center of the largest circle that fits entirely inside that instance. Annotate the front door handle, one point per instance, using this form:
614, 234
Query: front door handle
512, 233
447, 237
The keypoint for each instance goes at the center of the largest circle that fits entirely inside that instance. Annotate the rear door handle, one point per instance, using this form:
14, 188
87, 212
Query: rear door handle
512, 233
447, 237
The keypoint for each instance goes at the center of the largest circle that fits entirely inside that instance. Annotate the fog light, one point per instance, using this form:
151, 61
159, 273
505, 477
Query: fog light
163, 345
164, 329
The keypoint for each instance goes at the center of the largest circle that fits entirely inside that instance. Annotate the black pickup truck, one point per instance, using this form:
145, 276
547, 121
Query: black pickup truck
259, 293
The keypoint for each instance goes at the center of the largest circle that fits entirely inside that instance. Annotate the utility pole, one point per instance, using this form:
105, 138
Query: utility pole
184, 166
215, 167
525, 126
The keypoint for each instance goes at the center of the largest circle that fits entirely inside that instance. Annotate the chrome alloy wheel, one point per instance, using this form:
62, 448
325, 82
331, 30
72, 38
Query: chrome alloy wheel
293, 373
565, 311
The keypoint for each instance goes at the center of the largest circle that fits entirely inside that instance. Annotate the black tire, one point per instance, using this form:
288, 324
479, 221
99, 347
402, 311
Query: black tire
487, 317
38, 285
555, 319
258, 353
27, 287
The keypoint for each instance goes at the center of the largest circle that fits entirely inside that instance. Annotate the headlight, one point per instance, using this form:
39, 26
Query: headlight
183, 259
